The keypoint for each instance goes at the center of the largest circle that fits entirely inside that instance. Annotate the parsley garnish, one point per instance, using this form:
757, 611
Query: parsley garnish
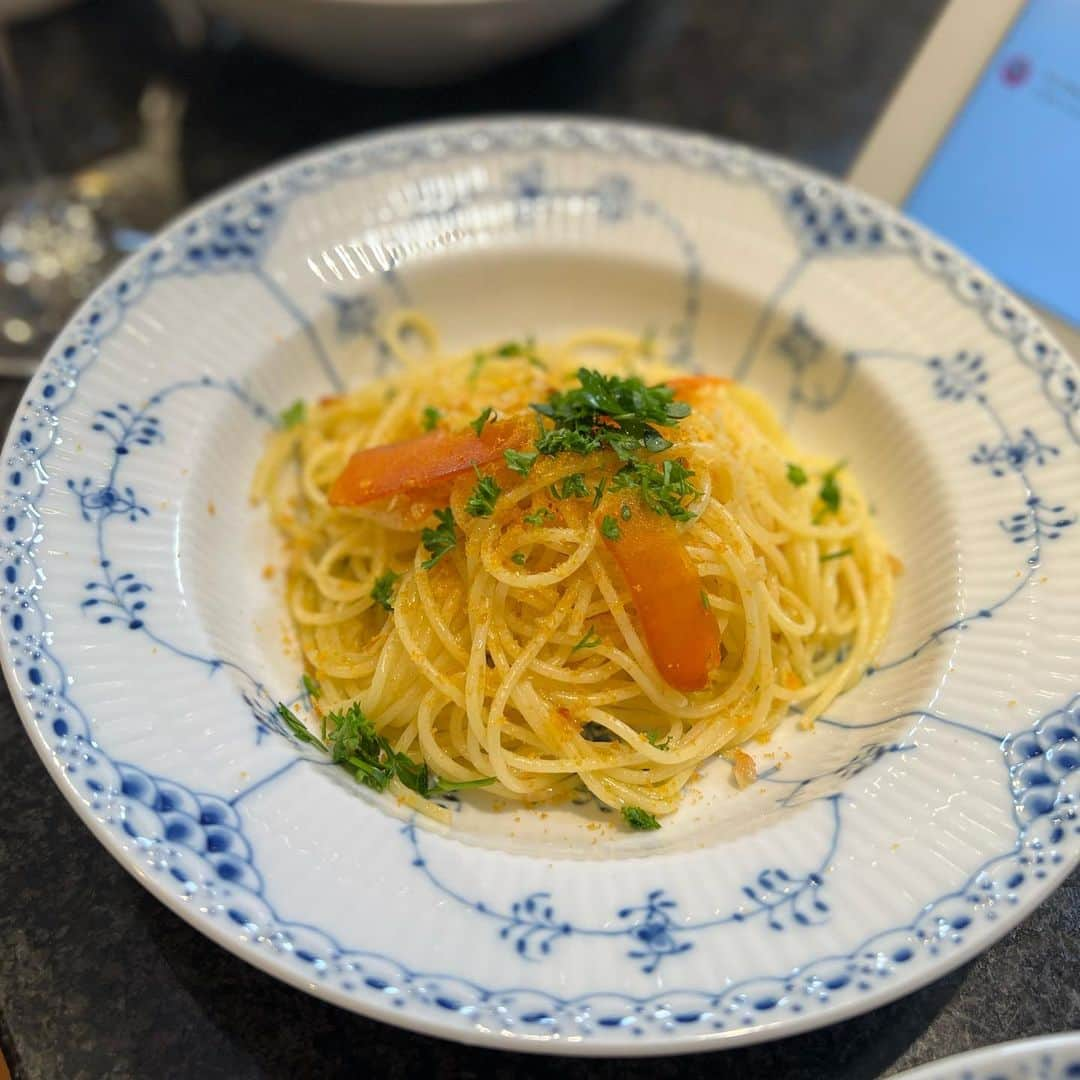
478, 424
430, 417
538, 516
310, 685
355, 744
594, 732
519, 461
836, 554
518, 558
440, 540
665, 489
796, 475
510, 348
705, 600
637, 818
830, 493
573, 486
383, 590
583, 416
295, 414
624, 512
589, 641
609, 527
481, 503
600, 489
653, 737
296, 726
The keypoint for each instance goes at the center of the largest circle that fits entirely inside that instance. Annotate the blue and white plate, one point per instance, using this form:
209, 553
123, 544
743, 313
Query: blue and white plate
931, 810
1053, 1057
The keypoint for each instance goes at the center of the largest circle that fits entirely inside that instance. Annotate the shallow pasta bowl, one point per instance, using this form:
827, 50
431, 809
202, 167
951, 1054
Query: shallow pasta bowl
145, 638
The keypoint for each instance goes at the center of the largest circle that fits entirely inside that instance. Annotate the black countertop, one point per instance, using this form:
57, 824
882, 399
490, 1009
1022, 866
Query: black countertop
97, 979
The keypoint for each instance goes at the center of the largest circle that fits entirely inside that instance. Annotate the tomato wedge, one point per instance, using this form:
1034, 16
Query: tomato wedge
429, 461
681, 633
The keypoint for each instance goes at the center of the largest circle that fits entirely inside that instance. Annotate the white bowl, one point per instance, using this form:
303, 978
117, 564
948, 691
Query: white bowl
407, 42
930, 811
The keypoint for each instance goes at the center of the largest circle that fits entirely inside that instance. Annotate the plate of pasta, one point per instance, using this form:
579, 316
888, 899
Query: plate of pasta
559, 585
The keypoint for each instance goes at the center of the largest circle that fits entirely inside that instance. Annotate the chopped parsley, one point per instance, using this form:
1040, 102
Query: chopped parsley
609, 411
538, 516
624, 512
653, 738
310, 686
519, 461
478, 424
637, 818
600, 489
510, 348
609, 528
295, 414
830, 493
481, 503
440, 540
573, 486
589, 641
796, 475
836, 554
355, 744
518, 558
382, 591
594, 732
430, 417
705, 600
665, 488
296, 726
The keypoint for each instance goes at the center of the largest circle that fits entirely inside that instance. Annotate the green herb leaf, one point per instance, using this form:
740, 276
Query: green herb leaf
518, 558
430, 417
383, 590
295, 414
624, 512
796, 475
609, 528
520, 461
440, 540
637, 818
296, 726
705, 600
478, 424
589, 641
441, 786
836, 554
510, 348
653, 737
582, 416
573, 487
311, 686
538, 516
481, 503
600, 489
357, 746
665, 489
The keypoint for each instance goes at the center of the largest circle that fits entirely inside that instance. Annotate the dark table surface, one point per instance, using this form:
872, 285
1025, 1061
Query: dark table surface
97, 979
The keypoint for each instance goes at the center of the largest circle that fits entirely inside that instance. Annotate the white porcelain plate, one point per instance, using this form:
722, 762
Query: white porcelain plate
1053, 1057
931, 810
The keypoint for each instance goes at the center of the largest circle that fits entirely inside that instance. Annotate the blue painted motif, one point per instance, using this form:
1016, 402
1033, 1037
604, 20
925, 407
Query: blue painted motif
216, 865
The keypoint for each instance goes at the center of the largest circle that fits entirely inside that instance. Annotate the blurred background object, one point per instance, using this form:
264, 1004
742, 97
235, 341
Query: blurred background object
407, 42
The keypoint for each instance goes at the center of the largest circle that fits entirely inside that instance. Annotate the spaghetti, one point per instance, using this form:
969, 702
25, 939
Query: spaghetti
568, 565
